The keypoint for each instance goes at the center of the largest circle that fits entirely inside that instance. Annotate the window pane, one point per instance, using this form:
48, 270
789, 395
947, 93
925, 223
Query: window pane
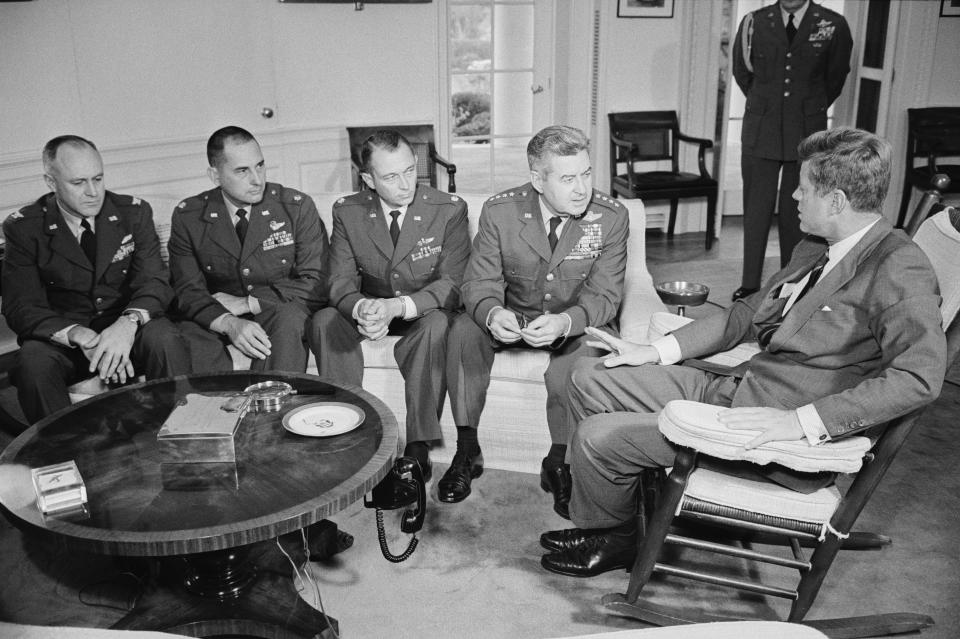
473, 166
469, 35
510, 163
513, 103
470, 105
869, 104
513, 44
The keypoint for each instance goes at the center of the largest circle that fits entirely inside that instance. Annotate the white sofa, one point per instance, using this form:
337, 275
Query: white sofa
513, 429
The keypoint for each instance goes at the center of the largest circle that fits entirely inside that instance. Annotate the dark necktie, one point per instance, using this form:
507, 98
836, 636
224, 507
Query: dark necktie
88, 241
791, 29
765, 334
242, 225
552, 235
394, 226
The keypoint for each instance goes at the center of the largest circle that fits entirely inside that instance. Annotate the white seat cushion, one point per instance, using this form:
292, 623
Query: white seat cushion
695, 425
762, 497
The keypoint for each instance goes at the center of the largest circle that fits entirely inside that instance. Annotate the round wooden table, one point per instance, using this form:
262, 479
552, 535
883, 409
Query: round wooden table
218, 520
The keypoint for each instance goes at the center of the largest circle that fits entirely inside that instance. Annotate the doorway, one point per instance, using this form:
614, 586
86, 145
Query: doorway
499, 87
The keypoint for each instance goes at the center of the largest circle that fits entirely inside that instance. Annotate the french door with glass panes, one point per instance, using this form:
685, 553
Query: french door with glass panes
499, 87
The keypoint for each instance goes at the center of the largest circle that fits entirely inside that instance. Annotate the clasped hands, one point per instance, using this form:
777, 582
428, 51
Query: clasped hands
375, 314
771, 424
538, 333
109, 350
246, 335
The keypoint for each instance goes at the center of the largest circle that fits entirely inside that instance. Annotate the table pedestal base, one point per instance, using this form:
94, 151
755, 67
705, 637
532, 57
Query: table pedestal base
268, 606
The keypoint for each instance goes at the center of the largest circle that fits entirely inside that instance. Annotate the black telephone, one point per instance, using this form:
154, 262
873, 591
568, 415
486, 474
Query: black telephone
402, 486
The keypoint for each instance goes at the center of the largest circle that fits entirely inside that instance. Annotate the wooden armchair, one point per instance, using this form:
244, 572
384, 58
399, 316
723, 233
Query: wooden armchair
421, 139
642, 137
706, 500
933, 134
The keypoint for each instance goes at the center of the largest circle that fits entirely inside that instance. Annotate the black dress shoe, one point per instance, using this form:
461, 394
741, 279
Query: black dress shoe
454, 486
560, 540
555, 478
325, 539
742, 292
599, 553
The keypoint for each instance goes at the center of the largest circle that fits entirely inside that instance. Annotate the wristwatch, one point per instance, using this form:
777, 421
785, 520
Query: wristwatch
134, 317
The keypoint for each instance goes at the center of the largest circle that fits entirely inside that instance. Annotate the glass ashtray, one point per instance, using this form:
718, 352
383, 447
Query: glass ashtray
268, 396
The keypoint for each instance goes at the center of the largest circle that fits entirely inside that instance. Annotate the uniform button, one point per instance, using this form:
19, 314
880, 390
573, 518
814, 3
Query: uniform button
99, 301
209, 268
124, 271
397, 293
548, 297
396, 276
283, 261
786, 94
787, 80
787, 67
789, 55
549, 277
245, 271
249, 287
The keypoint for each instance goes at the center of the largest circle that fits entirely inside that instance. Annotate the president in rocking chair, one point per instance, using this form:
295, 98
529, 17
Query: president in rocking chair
850, 336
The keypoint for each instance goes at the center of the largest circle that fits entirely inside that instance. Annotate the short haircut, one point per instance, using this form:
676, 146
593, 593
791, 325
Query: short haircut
386, 139
853, 160
50, 148
220, 138
555, 140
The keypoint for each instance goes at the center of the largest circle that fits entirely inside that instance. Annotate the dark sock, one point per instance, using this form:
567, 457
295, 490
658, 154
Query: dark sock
419, 451
556, 454
467, 439
628, 529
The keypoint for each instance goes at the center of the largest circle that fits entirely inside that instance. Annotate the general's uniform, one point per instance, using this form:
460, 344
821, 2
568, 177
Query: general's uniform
282, 263
427, 265
863, 346
512, 266
49, 284
789, 87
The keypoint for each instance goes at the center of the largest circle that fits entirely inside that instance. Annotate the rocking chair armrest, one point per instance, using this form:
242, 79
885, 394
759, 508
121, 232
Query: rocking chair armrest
694, 425
623, 142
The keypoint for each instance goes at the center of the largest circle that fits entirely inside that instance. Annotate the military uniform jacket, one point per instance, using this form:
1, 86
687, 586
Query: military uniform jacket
789, 86
283, 259
49, 284
512, 266
427, 264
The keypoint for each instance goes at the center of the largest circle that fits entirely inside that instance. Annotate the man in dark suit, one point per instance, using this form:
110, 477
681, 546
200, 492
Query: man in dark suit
548, 260
791, 60
396, 262
851, 339
247, 260
84, 287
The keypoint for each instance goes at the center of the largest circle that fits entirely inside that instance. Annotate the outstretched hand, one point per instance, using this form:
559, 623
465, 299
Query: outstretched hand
622, 352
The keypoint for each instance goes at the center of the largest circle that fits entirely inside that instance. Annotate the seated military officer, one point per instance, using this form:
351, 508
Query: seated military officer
247, 261
84, 287
396, 261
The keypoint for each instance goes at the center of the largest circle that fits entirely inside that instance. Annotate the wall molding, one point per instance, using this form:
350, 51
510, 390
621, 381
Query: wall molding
310, 158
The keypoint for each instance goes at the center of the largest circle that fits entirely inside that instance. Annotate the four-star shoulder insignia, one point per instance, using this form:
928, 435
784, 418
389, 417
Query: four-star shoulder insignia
16, 215
454, 198
135, 201
297, 198
341, 201
182, 205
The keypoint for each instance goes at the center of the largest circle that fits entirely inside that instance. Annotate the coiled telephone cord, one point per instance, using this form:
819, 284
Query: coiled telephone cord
382, 537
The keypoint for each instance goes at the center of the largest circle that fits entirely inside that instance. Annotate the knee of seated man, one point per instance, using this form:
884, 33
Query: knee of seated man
290, 317
436, 323
33, 357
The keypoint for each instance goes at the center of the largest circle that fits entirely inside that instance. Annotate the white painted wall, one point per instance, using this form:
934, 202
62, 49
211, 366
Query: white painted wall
148, 81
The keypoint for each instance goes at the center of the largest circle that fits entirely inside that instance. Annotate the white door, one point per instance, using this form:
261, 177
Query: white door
499, 85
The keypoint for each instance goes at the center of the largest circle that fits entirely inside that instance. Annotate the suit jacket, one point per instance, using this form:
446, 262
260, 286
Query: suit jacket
49, 284
427, 264
789, 86
865, 345
512, 266
283, 259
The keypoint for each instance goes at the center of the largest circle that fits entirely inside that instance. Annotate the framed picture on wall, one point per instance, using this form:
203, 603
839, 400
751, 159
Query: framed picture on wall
647, 8
950, 8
